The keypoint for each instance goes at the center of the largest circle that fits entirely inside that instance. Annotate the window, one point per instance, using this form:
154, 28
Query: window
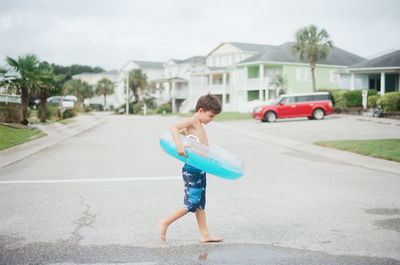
271, 72
217, 61
289, 100
253, 95
320, 97
303, 74
229, 59
333, 76
237, 58
303, 98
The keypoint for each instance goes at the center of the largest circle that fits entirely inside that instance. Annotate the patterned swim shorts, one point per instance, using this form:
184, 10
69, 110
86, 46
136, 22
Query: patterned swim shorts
195, 188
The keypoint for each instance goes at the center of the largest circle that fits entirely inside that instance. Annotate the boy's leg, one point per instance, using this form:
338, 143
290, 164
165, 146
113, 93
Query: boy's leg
164, 223
205, 236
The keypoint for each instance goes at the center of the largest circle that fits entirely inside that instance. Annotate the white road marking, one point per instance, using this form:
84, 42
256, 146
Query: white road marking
55, 181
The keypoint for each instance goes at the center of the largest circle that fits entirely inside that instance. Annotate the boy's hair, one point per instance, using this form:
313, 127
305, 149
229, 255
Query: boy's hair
209, 102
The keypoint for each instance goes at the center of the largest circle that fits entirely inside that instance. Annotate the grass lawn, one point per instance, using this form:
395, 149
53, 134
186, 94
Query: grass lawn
66, 121
226, 116
38, 120
11, 136
386, 148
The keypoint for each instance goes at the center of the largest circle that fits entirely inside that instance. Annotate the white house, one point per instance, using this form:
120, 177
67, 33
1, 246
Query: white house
93, 78
153, 70
175, 82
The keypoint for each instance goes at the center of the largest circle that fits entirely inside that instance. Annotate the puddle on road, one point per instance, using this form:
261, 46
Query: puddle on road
383, 211
389, 224
222, 253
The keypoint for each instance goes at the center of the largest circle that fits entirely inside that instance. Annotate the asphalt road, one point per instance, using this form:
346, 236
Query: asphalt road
95, 198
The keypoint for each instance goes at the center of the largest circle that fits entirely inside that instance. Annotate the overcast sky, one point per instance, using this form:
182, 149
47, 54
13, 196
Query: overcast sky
109, 33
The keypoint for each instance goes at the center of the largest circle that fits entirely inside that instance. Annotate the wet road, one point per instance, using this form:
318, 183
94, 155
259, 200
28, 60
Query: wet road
96, 198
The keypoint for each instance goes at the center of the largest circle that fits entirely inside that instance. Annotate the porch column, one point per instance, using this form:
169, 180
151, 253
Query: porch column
246, 76
261, 78
173, 97
382, 83
211, 81
224, 89
399, 82
236, 85
352, 81
202, 83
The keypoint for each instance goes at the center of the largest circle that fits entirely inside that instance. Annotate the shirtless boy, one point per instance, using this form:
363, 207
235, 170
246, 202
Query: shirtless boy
207, 107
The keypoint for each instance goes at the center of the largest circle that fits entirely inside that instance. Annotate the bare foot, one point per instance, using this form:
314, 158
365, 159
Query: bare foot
162, 229
209, 239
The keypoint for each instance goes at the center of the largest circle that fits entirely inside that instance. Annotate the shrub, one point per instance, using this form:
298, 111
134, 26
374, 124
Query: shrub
390, 101
137, 107
87, 109
167, 107
353, 98
372, 92
339, 102
10, 113
51, 111
371, 103
69, 113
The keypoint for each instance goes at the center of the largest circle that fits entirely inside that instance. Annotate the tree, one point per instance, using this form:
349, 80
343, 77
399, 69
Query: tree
78, 88
28, 74
105, 87
280, 83
312, 45
75, 69
48, 82
137, 80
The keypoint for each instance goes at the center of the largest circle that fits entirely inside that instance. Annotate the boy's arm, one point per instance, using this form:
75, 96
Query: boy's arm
175, 129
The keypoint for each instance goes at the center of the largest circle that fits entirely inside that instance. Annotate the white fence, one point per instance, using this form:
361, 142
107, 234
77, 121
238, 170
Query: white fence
10, 98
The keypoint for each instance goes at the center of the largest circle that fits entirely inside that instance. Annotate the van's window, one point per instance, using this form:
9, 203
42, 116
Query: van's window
303, 98
321, 97
289, 100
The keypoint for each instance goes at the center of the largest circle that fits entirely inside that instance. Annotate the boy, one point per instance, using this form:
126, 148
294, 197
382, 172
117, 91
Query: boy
207, 108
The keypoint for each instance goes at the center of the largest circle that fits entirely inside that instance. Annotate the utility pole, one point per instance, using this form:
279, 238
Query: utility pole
127, 92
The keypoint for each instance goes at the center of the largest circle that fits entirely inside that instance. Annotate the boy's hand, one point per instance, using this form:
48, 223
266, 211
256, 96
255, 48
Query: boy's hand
181, 150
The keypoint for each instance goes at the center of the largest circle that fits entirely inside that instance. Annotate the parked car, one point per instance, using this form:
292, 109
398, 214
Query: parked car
312, 105
68, 101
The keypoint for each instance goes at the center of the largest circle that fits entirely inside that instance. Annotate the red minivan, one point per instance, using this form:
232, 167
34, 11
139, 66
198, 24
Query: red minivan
312, 105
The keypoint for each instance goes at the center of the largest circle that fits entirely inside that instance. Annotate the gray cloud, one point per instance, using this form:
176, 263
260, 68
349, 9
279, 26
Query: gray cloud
108, 33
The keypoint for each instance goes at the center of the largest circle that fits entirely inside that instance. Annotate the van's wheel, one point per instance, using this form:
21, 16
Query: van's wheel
270, 116
318, 114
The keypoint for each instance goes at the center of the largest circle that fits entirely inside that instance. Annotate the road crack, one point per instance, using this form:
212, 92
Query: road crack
85, 220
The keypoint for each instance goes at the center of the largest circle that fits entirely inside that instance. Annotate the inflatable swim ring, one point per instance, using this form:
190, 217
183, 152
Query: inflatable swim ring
212, 159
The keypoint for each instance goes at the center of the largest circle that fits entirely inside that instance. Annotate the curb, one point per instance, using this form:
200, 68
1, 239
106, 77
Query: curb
55, 134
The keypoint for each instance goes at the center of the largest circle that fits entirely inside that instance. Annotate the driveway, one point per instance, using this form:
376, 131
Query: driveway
96, 197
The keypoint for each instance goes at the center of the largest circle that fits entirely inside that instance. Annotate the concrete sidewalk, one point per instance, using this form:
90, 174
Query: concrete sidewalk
56, 132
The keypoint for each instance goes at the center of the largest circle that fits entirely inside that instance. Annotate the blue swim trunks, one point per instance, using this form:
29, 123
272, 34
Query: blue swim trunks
195, 183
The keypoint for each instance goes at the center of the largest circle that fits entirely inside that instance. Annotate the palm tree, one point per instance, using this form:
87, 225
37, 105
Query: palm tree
48, 82
137, 80
78, 88
105, 87
312, 45
280, 83
28, 74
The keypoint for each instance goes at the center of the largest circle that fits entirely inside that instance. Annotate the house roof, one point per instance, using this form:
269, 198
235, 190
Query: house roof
252, 47
147, 64
112, 72
391, 59
282, 53
193, 59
